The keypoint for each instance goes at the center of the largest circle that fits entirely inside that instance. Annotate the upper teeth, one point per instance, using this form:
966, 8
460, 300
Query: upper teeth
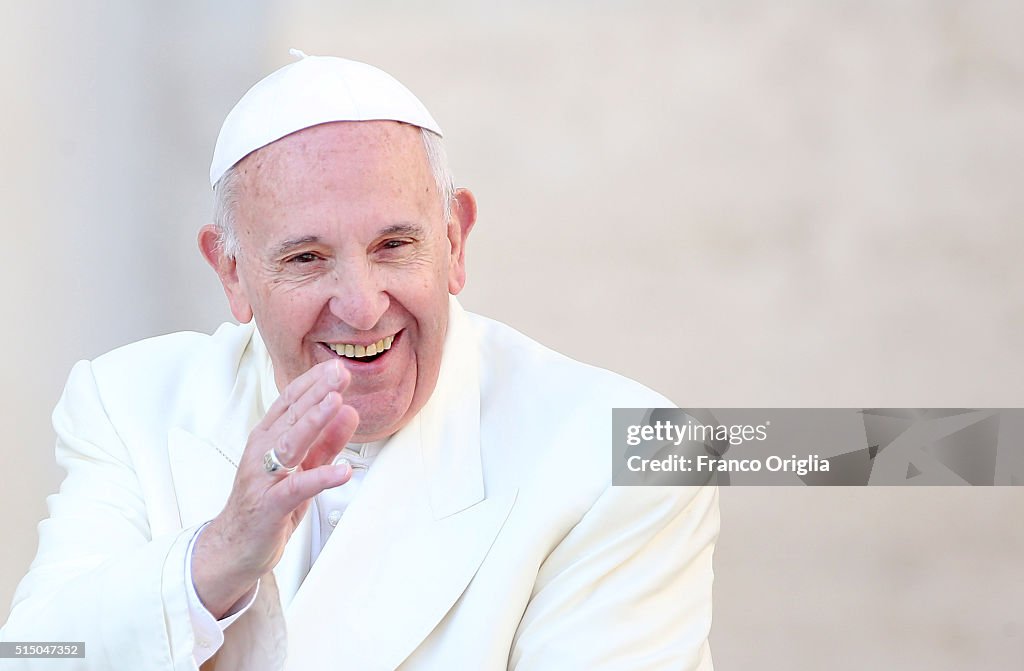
352, 351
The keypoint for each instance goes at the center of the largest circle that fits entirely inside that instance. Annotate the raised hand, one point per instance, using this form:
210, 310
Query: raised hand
287, 461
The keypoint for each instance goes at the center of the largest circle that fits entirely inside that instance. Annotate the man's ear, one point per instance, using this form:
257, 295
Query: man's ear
227, 270
459, 225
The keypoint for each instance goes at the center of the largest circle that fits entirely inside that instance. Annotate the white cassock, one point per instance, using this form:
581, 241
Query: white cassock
486, 534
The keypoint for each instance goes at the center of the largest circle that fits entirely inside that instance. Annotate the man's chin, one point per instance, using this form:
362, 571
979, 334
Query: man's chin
373, 424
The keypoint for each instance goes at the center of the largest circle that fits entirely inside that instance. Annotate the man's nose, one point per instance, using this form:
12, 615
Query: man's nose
359, 298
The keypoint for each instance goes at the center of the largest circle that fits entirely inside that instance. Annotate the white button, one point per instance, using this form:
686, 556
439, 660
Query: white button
203, 643
334, 517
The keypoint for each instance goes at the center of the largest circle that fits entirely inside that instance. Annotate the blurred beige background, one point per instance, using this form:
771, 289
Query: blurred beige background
738, 203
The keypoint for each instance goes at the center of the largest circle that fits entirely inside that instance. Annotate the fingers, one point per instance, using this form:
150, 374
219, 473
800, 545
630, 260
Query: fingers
334, 436
305, 391
297, 423
303, 485
317, 473
293, 442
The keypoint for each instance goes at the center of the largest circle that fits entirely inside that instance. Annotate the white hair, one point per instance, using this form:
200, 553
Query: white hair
226, 192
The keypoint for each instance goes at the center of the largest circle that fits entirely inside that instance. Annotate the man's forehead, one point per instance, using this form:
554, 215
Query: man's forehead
350, 160
357, 178
358, 139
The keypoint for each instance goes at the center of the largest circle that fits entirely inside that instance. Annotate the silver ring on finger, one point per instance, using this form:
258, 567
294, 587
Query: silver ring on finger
272, 464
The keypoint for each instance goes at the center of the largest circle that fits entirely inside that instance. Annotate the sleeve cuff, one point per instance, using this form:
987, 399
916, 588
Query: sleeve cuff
208, 632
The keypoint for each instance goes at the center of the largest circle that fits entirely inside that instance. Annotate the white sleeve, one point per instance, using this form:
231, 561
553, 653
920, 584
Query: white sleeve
99, 575
208, 631
628, 588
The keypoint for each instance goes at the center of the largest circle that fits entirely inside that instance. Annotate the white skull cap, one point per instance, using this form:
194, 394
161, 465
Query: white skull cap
308, 92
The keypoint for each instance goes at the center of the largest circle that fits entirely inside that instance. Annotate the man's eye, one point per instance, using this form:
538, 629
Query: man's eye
395, 244
305, 257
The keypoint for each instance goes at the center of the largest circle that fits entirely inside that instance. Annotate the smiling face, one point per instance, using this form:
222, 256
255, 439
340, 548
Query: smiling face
344, 251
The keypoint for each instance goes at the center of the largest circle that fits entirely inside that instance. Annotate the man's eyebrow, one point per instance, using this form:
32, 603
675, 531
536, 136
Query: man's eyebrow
412, 230
292, 243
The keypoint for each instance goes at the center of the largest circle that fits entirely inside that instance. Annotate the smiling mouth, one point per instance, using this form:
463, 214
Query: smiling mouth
362, 353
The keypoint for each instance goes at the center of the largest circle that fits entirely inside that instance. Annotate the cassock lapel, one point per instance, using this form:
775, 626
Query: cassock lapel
204, 452
202, 476
412, 540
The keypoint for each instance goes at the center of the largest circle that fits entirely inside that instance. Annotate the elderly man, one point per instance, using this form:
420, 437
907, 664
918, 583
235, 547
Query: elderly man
360, 475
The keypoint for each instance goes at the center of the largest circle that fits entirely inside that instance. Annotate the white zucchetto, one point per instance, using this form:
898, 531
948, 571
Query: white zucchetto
309, 92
